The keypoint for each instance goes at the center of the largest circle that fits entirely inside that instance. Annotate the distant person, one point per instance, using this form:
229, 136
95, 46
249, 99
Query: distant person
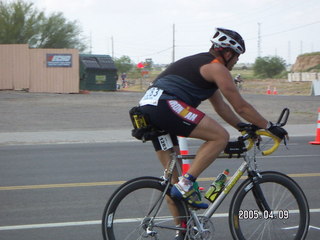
124, 80
238, 81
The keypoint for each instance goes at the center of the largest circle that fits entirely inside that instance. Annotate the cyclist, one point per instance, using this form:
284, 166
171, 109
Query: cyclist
238, 80
171, 104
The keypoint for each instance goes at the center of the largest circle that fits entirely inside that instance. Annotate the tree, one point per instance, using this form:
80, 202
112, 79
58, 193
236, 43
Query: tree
19, 22
57, 32
268, 67
22, 23
123, 64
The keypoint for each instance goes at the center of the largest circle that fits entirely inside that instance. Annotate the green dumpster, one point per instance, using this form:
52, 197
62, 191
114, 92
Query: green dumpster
97, 72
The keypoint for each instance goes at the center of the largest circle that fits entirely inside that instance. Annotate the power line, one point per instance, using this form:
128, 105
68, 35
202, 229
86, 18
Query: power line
155, 53
291, 29
284, 31
264, 35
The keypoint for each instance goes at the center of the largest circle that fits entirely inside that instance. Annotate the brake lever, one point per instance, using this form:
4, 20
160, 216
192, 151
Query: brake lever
258, 142
283, 118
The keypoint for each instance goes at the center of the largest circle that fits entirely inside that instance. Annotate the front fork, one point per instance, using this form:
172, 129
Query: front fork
257, 192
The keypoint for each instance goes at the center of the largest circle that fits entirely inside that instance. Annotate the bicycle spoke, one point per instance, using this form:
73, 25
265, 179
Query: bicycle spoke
288, 216
139, 211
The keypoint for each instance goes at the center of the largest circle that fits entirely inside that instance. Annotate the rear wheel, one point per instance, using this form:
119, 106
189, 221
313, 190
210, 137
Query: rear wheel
137, 210
285, 217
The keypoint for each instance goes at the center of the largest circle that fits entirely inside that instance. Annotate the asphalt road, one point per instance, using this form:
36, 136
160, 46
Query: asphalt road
59, 191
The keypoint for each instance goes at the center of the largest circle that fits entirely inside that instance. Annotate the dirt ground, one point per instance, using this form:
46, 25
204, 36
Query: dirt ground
249, 86
281, 86
22, 111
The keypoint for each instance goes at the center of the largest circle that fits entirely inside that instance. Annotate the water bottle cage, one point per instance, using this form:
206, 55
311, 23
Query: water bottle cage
213, 195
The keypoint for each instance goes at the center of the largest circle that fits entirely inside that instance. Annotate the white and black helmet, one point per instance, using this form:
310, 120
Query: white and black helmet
225, 38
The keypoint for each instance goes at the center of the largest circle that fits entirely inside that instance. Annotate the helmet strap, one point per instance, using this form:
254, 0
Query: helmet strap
221, 52
225, 60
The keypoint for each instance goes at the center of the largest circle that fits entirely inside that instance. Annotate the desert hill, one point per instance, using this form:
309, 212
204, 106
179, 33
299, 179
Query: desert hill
309, 62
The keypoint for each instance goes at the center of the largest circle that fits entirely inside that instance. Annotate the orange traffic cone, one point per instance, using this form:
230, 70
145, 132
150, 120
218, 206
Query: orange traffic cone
183, 145
268, 90
317, 140
275, 91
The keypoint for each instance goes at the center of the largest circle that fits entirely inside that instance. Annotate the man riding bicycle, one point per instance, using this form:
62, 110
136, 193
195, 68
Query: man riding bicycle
171, 101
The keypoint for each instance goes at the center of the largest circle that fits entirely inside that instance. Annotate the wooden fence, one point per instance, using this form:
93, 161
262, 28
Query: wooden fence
303, 76
39, 70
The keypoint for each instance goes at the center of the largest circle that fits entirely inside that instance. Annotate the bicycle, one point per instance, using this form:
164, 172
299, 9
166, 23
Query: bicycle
238, 81
267, 205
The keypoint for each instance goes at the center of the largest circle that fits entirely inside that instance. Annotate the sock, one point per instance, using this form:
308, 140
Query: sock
190, 177
186, 182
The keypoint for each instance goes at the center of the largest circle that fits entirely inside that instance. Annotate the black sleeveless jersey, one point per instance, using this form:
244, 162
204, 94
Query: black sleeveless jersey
183, 79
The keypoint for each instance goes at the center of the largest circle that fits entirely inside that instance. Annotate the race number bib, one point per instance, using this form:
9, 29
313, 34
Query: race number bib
151, 97
165, 142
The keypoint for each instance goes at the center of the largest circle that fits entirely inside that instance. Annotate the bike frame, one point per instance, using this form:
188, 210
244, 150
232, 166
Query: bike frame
249, 165
230, 184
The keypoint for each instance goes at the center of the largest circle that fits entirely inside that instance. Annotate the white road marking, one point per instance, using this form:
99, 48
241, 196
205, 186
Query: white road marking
97, 222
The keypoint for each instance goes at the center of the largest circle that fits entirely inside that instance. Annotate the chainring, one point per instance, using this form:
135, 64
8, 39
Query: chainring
193, 232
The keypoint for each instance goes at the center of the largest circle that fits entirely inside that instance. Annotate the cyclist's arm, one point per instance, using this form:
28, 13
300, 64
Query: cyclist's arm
224, 110
218, 73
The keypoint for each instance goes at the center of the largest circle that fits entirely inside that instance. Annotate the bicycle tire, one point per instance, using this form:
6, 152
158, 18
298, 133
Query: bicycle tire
126, 213
289, 217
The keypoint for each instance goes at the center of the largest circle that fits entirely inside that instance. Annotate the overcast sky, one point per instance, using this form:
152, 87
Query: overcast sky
144, 28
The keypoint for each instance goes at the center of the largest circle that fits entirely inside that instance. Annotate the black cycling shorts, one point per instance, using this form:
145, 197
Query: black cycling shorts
174, 116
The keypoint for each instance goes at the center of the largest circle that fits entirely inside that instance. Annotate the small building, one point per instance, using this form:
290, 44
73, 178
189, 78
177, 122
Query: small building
97, 72
39, 70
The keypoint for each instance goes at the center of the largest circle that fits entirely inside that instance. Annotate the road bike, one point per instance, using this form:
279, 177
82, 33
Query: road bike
267, 205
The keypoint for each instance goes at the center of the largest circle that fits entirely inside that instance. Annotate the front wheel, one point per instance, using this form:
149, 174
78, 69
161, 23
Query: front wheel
141, 209
283, 215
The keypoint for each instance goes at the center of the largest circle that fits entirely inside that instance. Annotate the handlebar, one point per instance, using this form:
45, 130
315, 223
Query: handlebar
274, 147
250, 136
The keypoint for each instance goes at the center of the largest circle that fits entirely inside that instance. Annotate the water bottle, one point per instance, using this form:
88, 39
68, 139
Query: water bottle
217, 186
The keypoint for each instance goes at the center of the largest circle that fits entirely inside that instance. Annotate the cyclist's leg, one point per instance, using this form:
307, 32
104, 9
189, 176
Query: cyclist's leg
216, 138
177, 117
164, 157
172, 116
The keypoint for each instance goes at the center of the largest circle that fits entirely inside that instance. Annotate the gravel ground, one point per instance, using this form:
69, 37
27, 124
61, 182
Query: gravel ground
31, 112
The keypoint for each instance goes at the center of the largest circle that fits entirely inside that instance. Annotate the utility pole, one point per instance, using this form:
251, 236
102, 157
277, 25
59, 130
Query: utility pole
173, 43
112, 48
259, 40
289, 53
90, 42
